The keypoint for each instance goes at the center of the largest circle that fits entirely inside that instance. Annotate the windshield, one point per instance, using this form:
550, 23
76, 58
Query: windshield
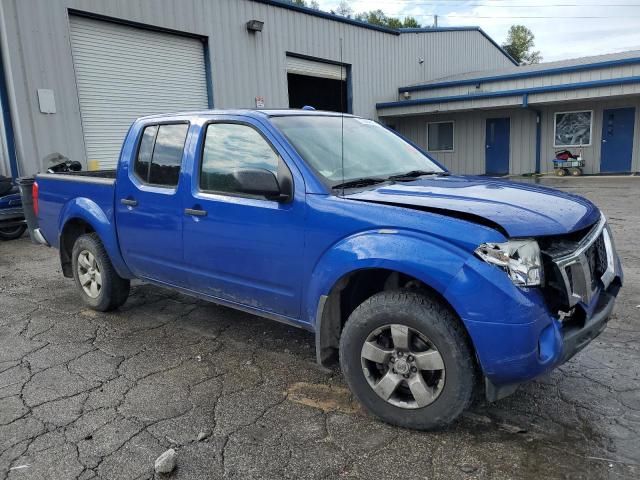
370, 150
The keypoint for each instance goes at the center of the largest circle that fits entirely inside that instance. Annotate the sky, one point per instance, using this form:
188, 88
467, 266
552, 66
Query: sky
560, 33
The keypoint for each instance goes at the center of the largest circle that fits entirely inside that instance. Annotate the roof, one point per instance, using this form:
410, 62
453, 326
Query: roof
282, 112
528, 71
379, 28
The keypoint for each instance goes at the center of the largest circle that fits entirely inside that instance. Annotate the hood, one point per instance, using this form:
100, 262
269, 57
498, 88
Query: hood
519, 209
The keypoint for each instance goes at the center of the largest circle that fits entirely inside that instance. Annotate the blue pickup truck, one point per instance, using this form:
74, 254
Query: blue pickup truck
424, 286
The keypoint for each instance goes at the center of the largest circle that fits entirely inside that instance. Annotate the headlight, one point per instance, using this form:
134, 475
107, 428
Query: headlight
519, 258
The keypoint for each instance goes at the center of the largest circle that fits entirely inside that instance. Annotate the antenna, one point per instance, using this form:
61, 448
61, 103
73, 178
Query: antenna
342, 115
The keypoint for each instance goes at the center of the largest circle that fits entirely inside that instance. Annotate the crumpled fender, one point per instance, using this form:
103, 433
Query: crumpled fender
86, 209
426, 258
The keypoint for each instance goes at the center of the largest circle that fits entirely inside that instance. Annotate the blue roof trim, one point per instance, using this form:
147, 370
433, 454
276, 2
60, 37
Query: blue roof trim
517, 75
392, 31
512, 93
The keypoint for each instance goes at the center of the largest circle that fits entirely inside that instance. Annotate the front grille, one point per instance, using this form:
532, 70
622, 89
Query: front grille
576, 268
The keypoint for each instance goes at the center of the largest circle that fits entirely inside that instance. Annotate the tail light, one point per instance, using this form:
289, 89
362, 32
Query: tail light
35, 192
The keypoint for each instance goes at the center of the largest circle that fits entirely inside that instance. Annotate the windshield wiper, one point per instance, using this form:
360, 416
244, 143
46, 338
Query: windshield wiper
360, 182
415, 174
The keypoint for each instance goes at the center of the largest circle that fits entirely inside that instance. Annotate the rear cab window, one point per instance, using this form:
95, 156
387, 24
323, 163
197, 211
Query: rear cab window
160, 154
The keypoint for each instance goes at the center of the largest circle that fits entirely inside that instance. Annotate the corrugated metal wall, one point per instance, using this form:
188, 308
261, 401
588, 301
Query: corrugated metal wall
591, 153
545, 81
468, 156
470, 131
243, 65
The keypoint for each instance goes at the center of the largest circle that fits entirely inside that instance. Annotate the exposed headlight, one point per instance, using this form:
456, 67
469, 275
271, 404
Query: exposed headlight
519, 258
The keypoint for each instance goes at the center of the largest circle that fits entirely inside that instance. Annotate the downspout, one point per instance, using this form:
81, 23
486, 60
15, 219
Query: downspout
9, 103
525, 104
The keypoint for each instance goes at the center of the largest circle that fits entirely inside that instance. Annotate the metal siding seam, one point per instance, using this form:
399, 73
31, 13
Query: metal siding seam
513, 93
520, 75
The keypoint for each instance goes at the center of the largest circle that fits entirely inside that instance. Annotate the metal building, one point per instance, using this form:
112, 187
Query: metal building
75, 73
513, 120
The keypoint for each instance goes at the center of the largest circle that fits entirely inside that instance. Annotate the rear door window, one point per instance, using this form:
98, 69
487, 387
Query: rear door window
160, 154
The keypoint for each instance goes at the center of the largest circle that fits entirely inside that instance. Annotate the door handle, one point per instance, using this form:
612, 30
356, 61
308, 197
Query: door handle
129, 202
195, 212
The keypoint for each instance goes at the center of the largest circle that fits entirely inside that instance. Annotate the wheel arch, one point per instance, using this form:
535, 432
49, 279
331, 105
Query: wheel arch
82, 216
345, 277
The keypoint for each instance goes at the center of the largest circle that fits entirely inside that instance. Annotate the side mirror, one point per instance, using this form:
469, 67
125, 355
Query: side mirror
259, 181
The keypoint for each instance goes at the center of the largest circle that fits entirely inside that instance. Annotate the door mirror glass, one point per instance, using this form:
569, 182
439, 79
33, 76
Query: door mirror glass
258, 181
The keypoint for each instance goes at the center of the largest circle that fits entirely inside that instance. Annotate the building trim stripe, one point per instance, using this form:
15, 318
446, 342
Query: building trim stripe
512, 93
519, 75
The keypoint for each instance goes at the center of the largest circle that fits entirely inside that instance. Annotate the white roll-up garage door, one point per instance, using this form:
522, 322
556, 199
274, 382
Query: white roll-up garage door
303, 66
123, 73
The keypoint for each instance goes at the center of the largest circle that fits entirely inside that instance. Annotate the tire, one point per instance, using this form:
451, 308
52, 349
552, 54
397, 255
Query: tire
575, 171
561, 172
90, 258
12, 233
450, 390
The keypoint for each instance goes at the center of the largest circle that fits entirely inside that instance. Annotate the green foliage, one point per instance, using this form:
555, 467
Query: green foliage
378, 17
374, 17
519, 44
304, 3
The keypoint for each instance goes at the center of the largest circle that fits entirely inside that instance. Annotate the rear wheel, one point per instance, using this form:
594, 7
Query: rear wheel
12, 233
101, 288
408, 361
561, 172
575, 171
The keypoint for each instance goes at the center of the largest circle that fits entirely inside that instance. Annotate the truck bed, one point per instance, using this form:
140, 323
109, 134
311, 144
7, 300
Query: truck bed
62, 192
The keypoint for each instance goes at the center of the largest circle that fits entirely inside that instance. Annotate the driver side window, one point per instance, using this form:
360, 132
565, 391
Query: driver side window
229, 147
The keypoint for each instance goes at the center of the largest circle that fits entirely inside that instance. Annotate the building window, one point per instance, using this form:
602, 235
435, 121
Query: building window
572, 128
440, 137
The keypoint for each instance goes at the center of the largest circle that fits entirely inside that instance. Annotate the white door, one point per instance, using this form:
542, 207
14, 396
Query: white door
123, 73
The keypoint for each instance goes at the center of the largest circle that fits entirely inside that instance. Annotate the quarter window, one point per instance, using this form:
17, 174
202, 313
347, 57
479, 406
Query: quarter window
229, 147
440, 137
160, 154
572, 129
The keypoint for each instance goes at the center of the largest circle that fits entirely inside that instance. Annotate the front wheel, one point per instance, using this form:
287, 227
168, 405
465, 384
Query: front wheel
12, 233
408, 361
100, 285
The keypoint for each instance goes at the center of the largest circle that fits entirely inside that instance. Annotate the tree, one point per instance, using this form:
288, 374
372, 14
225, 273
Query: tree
410, 22
303, 3
344, 9
520, 43
378, 17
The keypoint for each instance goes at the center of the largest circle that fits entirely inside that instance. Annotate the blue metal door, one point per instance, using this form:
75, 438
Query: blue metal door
497, 146
617, 139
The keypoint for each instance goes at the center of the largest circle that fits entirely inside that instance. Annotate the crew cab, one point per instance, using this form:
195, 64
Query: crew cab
423, 285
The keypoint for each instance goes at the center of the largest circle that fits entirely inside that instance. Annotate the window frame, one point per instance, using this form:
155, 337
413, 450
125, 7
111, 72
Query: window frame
453, 136
281, 161
555, 115
132, 170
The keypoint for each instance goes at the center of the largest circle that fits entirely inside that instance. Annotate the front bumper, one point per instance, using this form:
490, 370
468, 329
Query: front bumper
559, 343
516, 334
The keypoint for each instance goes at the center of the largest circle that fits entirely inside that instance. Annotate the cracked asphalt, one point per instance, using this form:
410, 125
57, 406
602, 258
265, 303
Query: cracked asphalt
90, 395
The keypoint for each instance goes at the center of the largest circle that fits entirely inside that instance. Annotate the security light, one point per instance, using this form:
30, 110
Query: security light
254, 26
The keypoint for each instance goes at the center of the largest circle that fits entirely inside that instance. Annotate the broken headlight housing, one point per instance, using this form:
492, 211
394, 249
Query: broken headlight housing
520, 259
